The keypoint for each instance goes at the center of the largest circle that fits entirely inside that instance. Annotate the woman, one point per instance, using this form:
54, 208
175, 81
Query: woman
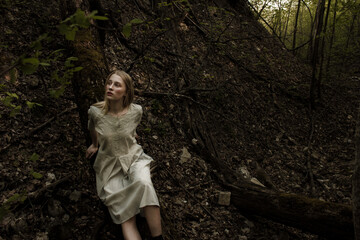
122, 168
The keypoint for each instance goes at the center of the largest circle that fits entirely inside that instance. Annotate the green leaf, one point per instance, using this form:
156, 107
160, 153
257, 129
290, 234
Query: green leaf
15, 111
102, 18
23, 198
13, 95
77, 69
127, 30
45, 64
32, 104
92, 14
136, 21
36, 175
34, 157
70, 35
13, 76
29, 65
33, 61
56, 93
7, 101
13, 198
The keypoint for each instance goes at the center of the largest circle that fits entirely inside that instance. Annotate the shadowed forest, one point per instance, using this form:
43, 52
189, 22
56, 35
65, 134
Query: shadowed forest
250, 113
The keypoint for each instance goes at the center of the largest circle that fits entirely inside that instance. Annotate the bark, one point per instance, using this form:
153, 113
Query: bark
356, 180
318, 28
323, 42
88, 84
295, 27
331, 40
331, 220
287, 21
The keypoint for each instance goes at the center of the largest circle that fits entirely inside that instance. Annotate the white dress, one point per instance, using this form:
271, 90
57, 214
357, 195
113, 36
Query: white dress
122, 168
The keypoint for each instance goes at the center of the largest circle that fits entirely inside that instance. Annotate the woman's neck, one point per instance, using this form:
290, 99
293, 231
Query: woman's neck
116, 107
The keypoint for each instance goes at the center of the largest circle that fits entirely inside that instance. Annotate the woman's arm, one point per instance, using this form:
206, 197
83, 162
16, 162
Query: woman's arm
93, 148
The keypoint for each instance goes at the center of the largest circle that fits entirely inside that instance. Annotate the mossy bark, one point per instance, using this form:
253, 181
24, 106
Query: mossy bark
88, 84
356, 180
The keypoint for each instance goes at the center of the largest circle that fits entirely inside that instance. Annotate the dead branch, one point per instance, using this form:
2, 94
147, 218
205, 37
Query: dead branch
191, 195
35, 195
36, 129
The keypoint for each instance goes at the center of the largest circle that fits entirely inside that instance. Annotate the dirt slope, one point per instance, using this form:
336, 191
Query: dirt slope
254, 98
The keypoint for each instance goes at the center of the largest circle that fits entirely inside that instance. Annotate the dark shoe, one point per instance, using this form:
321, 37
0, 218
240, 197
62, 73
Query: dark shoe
157, 238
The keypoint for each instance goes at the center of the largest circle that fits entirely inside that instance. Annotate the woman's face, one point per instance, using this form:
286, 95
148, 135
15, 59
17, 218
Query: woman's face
115, 88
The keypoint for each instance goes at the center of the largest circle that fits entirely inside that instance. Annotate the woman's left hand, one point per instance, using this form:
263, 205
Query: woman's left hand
91, 151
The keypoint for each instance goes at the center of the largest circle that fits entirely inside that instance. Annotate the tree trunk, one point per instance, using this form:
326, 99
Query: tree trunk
88, 84
287, 22
331, 40
295, 26
356, 180
318, 87
331, 220
318, 25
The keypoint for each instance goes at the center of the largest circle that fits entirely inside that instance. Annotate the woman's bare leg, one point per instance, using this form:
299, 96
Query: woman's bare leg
153, 218
130, 230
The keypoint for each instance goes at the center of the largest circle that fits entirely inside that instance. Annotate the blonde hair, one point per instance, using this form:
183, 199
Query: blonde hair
129, 91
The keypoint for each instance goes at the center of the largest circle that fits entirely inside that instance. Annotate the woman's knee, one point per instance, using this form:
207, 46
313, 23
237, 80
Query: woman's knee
144, 182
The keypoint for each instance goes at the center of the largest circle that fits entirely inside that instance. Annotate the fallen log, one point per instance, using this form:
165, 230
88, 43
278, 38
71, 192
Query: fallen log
331, 220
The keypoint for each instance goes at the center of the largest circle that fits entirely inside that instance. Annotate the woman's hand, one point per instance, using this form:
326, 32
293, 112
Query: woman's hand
91, 151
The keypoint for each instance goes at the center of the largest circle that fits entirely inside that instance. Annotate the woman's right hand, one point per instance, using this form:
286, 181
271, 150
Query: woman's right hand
91, 151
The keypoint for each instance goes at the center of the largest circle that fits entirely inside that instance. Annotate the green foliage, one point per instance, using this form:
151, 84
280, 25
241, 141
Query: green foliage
33, 104
127, 27
8, 102
11, 202
78, 20
36, 175
64, 78
34, 157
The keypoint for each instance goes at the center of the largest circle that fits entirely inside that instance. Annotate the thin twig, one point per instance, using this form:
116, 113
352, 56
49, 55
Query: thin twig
190, 194
38, 128
185, 97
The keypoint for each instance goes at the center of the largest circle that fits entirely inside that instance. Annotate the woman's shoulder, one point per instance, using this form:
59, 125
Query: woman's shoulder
96, 108
136, 107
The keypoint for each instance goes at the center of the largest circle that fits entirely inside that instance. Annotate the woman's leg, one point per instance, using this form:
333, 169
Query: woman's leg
130, 230
153, 218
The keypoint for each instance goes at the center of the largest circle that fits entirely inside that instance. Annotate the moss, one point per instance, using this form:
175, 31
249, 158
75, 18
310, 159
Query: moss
90, 55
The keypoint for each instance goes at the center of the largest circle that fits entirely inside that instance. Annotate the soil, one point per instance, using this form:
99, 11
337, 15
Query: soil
253, 95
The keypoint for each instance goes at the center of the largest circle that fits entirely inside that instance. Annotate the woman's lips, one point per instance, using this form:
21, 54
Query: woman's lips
109, 94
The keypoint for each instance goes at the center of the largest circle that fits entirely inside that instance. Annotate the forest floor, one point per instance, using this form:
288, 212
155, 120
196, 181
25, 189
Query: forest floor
43, 151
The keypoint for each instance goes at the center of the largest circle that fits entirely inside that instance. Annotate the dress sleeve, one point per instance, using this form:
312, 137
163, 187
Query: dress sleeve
91, 120
138, 115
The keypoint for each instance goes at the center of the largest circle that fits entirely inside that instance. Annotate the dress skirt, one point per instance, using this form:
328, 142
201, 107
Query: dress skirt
125, 195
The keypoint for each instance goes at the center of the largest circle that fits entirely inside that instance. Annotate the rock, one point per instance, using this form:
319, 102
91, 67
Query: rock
185, 156
244, 172
51, 176
54, 208
75, 196
42, 236
224, 198
202, 164
255, 181
19, 225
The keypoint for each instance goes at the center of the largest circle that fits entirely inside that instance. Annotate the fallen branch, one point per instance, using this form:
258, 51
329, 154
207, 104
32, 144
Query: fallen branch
328, 219
35, 195
34, 130
191, 195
